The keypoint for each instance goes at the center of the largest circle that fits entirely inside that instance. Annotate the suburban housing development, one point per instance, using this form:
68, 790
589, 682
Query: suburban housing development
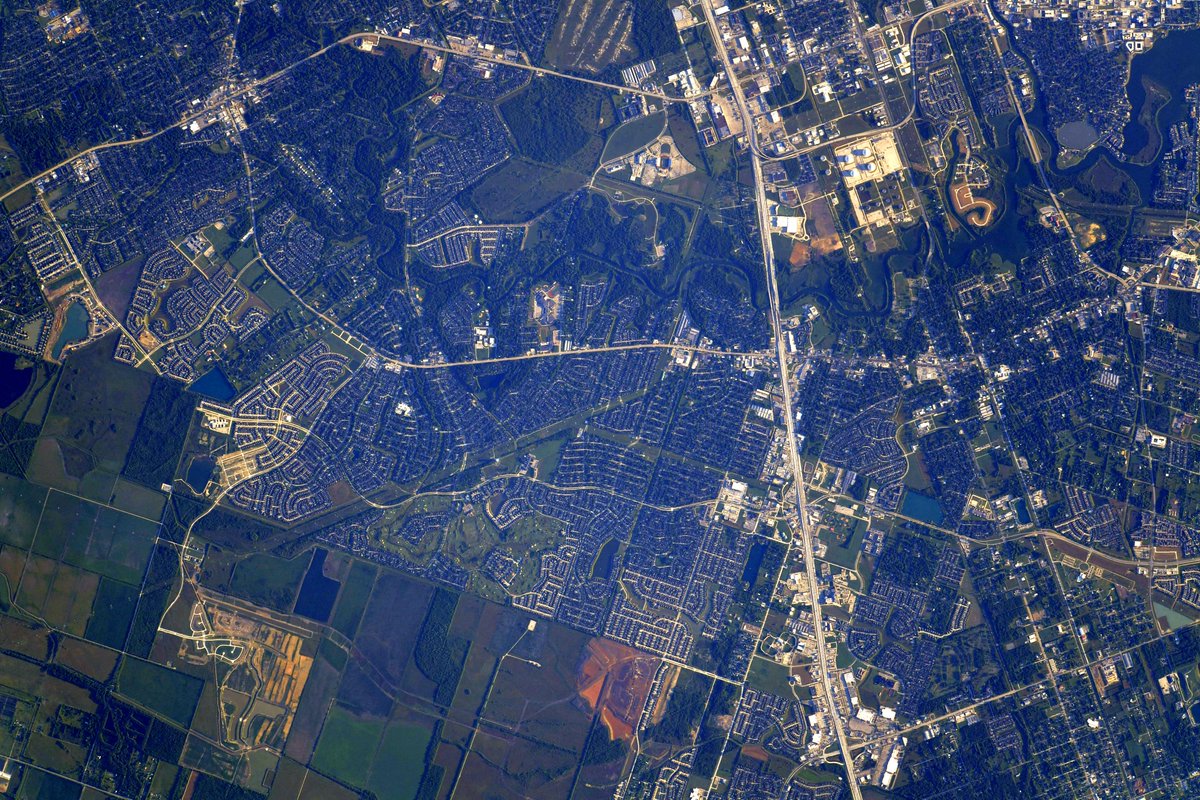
599, 399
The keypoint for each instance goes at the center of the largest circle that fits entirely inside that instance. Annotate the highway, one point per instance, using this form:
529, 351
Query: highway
246, 88
65, 241
477, 55
806, 532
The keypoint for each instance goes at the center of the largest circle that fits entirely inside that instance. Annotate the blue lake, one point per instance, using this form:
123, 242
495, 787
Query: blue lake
922, 507
214, 385
14, 380
1171, 63
199, 472
317, 593
753, 563
1022, 511
75, 329
602, 567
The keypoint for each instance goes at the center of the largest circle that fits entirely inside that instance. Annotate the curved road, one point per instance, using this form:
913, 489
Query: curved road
853, 137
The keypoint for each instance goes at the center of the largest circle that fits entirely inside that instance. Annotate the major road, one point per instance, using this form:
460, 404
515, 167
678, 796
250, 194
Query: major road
806, 532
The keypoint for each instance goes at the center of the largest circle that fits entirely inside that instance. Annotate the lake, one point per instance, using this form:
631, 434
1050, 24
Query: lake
753, 563
1078, 135
200, 472
1022, 511
602, 566
1172, 64
317, 593
922, 507
75, 329
14, 380
214, 385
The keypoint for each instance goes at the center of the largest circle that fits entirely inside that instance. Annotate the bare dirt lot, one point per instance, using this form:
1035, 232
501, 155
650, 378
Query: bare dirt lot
590, 35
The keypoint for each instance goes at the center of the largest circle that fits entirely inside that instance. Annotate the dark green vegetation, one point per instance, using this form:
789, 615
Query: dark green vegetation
20, 424
160, 434
161, 690
17, 440
653, 29
268, 580
209, 788
684, 709
226, 529
711, 737
162, 579
438, 654
600, 747
355, 592
553, 119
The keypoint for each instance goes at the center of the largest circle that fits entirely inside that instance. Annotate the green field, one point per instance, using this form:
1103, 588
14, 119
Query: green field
1174, 619
518, 189
112, 611
94, 537
74, 453
138, 500
164, 691
241, 257
633, 135
399, 764
846, 556
269, 581
39, 785
20, 508
59, 594
770, 677
65, 516
117, 545
346, 746
273, 294
356, 590
69, 605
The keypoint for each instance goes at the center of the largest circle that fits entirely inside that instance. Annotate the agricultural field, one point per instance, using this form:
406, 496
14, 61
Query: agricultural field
164, 691
393, 775
590, 35
346, 744
84, 457
631, 136
269, 581
593, 399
